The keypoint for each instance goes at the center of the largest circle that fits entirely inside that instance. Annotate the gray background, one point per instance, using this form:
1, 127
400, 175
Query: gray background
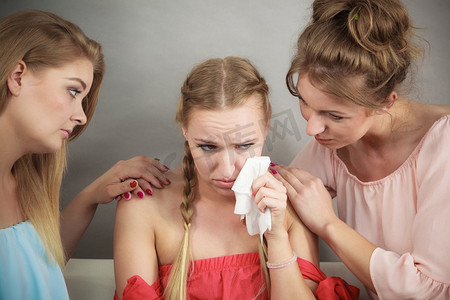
150, 46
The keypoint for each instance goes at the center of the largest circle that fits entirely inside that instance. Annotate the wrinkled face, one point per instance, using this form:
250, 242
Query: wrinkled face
221, 141
49, 105
334, 122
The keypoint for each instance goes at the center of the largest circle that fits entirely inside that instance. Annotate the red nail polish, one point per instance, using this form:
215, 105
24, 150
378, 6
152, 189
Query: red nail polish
166, 167
274, 172
162, 184
133, 184
168, 181
273, 164
149, 191
140, 195
253, 193
127, 196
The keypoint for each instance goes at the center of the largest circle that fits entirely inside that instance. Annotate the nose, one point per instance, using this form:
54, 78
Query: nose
227, 163
79, 117
315, 125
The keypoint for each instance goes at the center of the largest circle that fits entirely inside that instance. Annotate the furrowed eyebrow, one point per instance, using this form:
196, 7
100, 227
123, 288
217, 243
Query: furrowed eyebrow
246, 142
203, 141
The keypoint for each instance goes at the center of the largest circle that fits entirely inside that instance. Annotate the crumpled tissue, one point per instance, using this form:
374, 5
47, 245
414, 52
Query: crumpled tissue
256, 221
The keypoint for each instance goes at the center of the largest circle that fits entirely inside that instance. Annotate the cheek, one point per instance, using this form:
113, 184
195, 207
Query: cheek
202, 165
204, 162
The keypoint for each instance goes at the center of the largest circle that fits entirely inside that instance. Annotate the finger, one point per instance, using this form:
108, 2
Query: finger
138, 193
274, 204
287, 176
145, 186
265, 192
267, 180
143, 167
157, 163
290, 190
122, 188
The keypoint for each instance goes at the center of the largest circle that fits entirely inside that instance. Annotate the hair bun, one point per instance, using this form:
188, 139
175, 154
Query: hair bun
374, 24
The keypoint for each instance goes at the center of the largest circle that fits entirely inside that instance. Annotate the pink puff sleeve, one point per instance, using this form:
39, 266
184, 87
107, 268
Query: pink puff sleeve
137, 289
423, 272
316, 160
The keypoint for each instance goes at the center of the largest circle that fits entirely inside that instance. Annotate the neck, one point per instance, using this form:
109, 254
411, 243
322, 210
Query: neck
388, 126
10, 150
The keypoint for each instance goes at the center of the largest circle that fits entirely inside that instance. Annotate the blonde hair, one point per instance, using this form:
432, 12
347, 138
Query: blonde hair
360, 50
212, 85
44, 40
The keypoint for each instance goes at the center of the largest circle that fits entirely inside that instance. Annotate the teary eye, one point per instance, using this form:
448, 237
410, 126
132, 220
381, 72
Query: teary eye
207, 147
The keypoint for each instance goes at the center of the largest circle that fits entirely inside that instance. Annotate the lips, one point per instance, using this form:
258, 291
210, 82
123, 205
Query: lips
226, 184
66, 132
322, 141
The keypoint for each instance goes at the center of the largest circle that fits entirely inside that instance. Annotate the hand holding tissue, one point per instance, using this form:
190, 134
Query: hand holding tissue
256, 221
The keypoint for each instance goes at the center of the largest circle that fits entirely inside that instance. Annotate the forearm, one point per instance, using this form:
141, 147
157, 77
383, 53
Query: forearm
352, 248
75, 218
286, 282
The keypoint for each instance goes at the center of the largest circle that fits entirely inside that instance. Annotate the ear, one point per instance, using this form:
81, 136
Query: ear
184, 132
390, 100
388, 103
15, 78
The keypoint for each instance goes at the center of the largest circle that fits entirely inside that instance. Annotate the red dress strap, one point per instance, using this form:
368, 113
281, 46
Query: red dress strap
137, 288
333, 288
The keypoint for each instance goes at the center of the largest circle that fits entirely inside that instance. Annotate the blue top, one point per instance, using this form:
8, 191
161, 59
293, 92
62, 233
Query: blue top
25, 269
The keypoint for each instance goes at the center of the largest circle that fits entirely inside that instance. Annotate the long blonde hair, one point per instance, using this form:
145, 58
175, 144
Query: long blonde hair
212, 85
359, 50
44, 40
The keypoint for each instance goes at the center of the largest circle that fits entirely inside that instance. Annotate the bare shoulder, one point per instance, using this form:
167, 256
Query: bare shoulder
152, 208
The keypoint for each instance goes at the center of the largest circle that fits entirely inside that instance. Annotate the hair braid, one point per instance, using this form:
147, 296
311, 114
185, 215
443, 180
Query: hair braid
176, 287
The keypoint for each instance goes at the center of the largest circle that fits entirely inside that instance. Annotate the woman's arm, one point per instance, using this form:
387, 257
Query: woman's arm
313, 204
134, 243
122, 178
286, 282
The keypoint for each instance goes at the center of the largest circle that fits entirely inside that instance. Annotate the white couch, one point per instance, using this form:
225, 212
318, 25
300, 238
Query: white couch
93, 279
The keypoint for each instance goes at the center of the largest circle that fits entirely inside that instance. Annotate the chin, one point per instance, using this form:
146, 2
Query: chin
225, 192
50, 149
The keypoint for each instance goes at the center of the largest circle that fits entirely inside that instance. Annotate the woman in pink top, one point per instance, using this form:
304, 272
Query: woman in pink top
385, 157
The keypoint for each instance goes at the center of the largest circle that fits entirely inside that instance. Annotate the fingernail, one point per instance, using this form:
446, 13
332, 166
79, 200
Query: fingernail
133, 184
140, 195
273, 164
274, 172
118, 198
253, 193
168, 181
166, 167
162, 184
149, 191
127, 196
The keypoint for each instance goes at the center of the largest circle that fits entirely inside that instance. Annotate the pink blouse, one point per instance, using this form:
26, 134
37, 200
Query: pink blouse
406, 215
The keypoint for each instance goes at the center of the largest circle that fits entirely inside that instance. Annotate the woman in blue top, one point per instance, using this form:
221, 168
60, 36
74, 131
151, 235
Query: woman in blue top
50, 76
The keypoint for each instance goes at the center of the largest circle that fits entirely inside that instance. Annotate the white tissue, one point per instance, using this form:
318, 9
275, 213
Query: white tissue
256, 221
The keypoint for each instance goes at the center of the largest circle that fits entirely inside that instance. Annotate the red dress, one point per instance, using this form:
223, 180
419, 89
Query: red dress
236, 276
